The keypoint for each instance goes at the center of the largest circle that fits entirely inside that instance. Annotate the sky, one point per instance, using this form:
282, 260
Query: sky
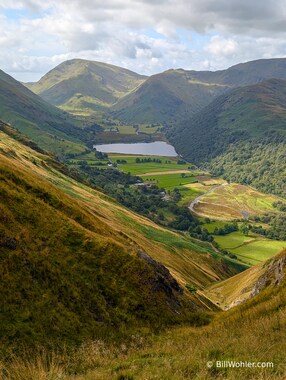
146, 36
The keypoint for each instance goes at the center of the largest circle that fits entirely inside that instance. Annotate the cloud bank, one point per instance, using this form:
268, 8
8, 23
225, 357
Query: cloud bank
142, 35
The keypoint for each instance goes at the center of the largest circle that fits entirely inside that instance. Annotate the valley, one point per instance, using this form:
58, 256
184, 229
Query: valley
210, 198
140, 215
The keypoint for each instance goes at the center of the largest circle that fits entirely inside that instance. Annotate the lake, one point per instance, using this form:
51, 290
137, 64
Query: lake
157, 148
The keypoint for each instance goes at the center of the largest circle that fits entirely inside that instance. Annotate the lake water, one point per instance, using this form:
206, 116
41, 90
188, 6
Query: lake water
157, 148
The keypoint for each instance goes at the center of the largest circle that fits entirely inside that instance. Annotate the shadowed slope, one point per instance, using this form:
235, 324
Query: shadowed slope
175, 95
45, 124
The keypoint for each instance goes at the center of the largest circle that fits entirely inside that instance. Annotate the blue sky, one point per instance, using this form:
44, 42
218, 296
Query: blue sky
142, 35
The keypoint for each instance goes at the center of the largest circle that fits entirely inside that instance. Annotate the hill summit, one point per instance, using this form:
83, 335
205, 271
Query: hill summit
77, 85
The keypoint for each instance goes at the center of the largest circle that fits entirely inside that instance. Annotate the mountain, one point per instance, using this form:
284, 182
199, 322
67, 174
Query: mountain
243, 74
85, 87
82, 86
75, 264
174, 95
241, 134
170, 95
48, 126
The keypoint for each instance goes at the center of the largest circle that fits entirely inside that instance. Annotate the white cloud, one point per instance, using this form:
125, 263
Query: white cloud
222, 47
36, 35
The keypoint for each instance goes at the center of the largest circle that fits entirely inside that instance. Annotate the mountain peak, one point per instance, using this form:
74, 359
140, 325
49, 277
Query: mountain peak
99, 85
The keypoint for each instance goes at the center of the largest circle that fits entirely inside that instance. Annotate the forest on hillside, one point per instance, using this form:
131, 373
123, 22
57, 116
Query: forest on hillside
261, 164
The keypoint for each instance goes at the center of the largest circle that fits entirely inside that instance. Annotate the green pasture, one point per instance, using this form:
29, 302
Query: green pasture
167, 164
188, 194
122, 129
259, 250
251, 249
211, 226
148, 129
170, 181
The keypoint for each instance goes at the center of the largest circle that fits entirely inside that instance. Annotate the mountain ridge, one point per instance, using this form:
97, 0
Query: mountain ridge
83, 84
231, 133
185, 92
50, 127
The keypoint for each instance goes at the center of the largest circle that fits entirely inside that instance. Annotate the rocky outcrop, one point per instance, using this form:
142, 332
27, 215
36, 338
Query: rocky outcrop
164, 282
272, 276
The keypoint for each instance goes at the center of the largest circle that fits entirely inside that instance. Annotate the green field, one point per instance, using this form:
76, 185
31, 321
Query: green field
167, 174
122, 129
167, 164
211, 226
170, 181
116, 132
251, 249
188, 194
225, 202
149, 129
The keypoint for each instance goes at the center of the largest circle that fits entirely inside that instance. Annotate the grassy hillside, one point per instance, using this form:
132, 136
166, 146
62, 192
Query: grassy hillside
87, 88
234, 201
76, 264
258, 163
174, 95
164, 97
243, 132
45, 124
247, 284
253, 332
82, 86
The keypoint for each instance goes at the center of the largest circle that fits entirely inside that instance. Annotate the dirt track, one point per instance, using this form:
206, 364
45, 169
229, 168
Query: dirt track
197, 200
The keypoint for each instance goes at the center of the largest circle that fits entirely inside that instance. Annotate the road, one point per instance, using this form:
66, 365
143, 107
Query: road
197, 200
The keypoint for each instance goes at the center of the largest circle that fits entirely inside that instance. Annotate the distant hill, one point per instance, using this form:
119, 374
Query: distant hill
82, 86
85, 87
233, 130
45, 124
175, 95
167, 97
243, 74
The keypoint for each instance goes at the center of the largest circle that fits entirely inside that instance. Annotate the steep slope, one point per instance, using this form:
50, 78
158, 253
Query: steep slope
243, 134
245, 342
45, 124
166, 97
82, 86
176, 94
74, 262
249, 283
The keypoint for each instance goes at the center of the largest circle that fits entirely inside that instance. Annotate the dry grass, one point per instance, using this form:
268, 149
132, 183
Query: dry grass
42, 366
235, 202
254, 332
235, 289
